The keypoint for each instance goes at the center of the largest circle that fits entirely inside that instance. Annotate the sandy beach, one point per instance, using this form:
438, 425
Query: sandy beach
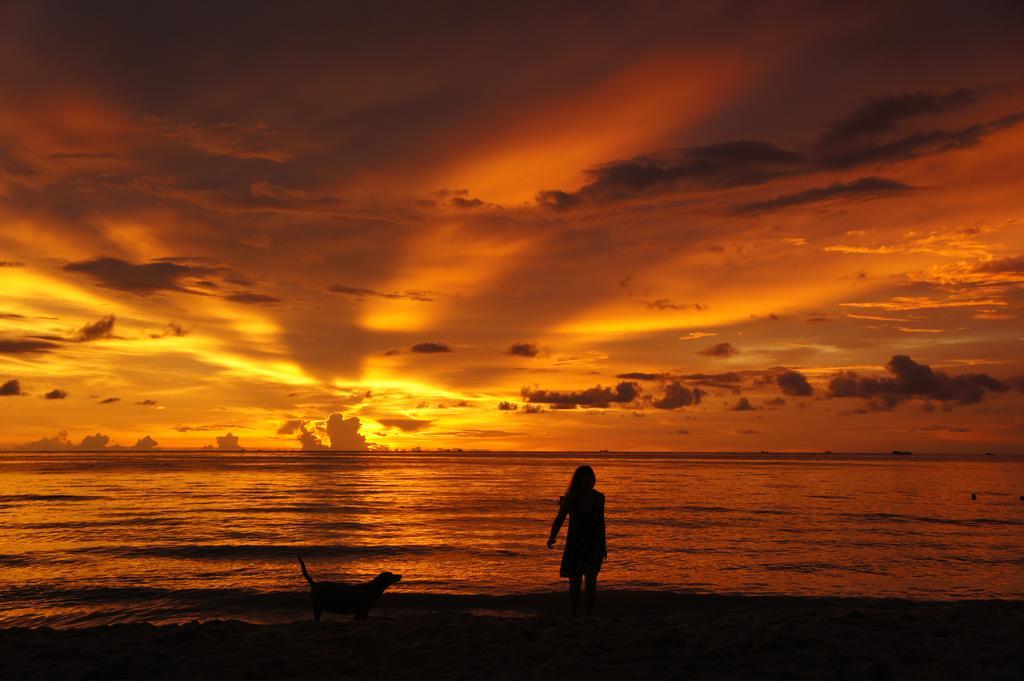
637, 635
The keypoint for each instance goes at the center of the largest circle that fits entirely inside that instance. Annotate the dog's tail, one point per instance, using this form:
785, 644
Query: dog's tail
305, 573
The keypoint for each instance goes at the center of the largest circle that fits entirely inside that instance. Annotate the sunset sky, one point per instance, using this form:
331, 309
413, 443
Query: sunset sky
637, 226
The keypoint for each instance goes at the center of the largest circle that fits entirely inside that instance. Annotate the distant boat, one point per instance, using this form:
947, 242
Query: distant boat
901, 452
989, 454
828, 451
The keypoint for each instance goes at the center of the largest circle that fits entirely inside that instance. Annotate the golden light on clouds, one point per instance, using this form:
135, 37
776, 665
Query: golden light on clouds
447, 264
672, 229
637, 107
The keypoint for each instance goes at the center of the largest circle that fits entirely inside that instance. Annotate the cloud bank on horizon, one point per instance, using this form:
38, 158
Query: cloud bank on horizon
668, 228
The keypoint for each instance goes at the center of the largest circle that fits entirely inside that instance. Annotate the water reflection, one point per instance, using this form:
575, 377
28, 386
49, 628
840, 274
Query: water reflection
74, 526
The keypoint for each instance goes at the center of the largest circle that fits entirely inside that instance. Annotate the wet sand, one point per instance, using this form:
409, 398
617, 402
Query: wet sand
637, 635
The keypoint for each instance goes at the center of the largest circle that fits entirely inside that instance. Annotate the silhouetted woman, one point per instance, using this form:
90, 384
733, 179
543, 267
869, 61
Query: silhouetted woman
585, 547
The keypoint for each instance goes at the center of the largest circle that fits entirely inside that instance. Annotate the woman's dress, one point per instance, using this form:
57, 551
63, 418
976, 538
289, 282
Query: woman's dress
585, 547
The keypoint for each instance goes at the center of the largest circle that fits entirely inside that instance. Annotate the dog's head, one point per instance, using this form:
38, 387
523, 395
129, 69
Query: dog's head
387, 579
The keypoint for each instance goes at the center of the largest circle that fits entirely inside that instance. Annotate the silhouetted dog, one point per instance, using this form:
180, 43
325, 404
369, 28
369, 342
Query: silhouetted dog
347, 599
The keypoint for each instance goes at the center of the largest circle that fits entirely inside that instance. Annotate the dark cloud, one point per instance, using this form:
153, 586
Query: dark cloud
216, 426
730, 380
667, 304
522, 349
744, 405
103, 328
556, 199
235, 140
1011, 265
720, 350
110, 400
344, 433
678, 395
858, 139
861, 188
879, 115
794, 383
228, 443
715, 166
290, 427
11, 263
430, 347
57, 443
775, 402
507, 406
405, 424
1016, 382
747, 431
11, 388
254, 299
938, 428
642, 376
909, 379
308, 439
90, 443
466, 203
94, 442
421, 296
172, 329
25, 346
920, 144
143, 280
55, 394
146, 403
597, 396
455, 198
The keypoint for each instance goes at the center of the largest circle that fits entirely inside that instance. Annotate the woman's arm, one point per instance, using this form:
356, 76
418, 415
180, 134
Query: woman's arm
557, 525
600, 524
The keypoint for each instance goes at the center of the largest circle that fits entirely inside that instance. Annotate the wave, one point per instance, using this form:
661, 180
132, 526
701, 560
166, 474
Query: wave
131, 521
81, 595
15, 498
901, 518
295, 508
229, 551
815, 567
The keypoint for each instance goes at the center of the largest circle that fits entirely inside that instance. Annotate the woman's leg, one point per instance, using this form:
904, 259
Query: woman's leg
591, 594
574, 593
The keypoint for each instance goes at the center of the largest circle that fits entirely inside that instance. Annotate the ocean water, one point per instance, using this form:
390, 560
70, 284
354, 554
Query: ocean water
93, 538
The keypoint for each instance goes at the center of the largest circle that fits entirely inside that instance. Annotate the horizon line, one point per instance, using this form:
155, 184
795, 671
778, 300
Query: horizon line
247, 450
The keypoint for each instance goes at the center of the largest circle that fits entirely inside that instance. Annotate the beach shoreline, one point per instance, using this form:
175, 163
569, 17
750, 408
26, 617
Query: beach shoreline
634, 635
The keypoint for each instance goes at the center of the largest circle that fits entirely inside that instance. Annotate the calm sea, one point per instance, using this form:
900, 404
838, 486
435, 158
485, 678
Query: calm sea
89, 538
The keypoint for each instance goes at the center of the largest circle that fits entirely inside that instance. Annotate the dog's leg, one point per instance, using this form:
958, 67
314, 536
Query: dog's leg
317, 610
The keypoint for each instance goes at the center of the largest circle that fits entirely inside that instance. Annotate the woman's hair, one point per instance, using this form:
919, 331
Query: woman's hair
582, 480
